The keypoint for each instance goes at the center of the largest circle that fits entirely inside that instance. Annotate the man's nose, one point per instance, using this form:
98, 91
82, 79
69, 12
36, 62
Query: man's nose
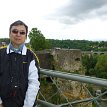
18, 34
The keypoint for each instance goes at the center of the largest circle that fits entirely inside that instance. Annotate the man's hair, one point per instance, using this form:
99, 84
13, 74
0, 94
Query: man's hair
18, 22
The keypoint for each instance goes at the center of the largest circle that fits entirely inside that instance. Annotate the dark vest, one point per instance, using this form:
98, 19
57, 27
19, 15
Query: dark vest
14, 70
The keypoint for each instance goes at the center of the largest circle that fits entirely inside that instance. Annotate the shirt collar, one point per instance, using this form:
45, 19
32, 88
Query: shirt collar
24, 50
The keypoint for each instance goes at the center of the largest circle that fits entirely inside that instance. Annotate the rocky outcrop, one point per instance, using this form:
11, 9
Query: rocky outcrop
67, 60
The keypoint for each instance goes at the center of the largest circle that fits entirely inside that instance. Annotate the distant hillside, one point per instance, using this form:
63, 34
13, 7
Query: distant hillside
84, 45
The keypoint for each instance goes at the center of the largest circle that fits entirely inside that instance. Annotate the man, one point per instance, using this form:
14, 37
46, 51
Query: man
19, 70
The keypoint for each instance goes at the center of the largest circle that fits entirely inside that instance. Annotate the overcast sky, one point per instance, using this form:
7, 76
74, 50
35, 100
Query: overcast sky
57, 19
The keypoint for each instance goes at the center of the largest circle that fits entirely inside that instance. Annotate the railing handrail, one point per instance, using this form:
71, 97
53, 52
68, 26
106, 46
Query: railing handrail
75, 77
46, 104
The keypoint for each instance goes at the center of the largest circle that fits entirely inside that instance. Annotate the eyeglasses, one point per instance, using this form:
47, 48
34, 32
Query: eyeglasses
15, 31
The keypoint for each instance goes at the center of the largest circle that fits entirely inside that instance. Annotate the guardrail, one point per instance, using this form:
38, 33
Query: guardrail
74, 77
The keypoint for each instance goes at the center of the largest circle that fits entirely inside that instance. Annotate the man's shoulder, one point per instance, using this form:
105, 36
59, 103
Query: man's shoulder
30, 51
3, 48
33, 54
3, 51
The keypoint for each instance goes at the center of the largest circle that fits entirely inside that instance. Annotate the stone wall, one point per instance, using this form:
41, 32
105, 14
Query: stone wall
60, 59
45, 59
67, 60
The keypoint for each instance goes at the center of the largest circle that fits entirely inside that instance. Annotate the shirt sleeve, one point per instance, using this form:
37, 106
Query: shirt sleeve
0, 101
33, 85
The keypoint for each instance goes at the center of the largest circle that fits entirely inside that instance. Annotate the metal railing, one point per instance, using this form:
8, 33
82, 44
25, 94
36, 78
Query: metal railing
74, 77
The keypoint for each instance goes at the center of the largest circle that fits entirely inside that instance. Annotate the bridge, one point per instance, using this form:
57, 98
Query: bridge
99, 100
93, 52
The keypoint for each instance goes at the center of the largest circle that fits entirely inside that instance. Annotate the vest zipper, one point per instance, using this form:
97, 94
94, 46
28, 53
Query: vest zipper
15, 58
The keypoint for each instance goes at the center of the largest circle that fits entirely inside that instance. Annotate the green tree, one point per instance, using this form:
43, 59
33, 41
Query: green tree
6, 40
37, 40
101, 66
89, 62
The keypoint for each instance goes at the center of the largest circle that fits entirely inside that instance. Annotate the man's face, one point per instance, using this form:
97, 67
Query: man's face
17, 35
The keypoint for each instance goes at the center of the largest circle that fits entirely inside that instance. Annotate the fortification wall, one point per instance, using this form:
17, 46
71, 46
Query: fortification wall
67, 60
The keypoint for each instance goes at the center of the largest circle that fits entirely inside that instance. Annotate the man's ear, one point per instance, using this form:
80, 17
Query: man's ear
9, 33
26, 37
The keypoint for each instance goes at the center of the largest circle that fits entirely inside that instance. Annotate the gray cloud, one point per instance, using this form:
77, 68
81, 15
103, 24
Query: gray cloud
78, 10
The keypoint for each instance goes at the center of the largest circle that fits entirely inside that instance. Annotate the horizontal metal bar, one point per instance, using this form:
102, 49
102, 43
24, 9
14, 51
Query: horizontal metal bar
74, 77
46, 104
77, 101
